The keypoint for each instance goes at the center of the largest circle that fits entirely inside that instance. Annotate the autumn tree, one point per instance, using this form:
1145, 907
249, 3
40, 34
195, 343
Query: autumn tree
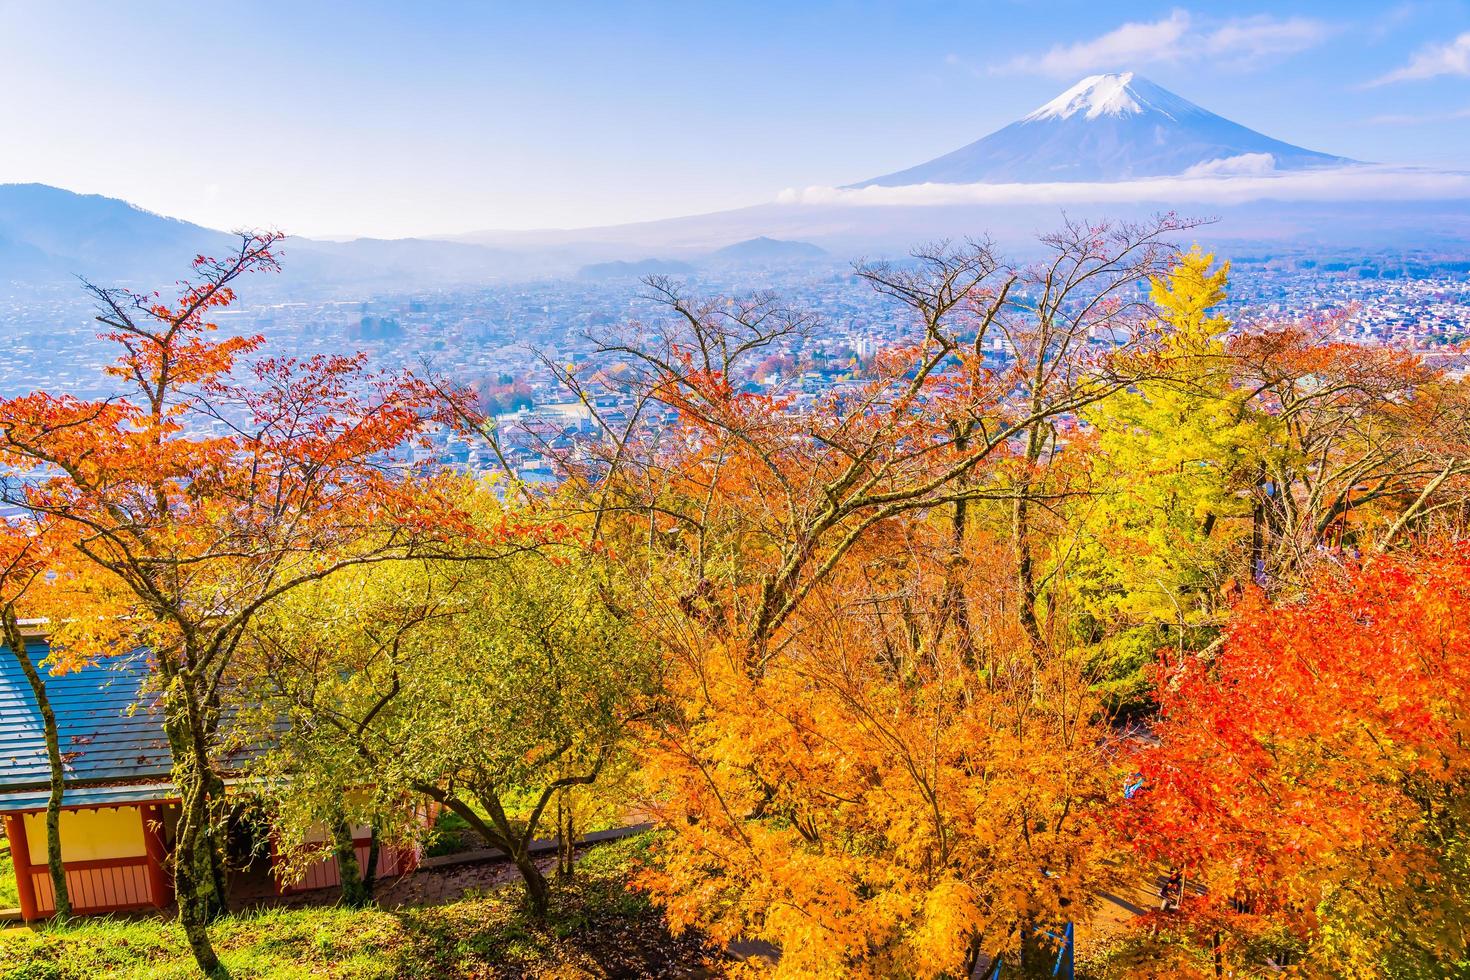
1311, 774
1075, 327
203, 492
1165, 522
1363, 441
872, 754
1259, 456
910, 435
876, 802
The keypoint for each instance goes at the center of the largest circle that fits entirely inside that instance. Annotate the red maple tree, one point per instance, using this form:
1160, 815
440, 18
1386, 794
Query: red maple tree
1311, 775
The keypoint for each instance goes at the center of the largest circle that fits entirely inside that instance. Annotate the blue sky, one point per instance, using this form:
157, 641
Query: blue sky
405, 118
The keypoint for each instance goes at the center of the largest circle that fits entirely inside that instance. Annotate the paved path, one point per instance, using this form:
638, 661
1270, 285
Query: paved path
442, 879
539, 846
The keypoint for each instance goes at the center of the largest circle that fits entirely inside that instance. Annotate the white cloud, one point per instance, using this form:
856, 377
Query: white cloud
1175, 38
1246, 164
1131, 44
1360, 183
1253, 38
1452, 58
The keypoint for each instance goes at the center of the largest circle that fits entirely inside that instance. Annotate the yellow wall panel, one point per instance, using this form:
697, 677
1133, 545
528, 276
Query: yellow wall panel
90, 835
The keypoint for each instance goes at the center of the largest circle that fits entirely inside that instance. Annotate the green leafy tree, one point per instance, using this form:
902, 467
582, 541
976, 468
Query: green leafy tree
489, 687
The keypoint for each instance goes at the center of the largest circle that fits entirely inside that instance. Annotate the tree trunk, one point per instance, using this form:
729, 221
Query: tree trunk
194, 885
1025, 569
954, 593
515, 847
538, 893
1021, 532
561, 836
571, 842
196, 929
197, 871
1039, 955
354, 893
1257, 571
195, 878
566, 838
54, 864
52, 735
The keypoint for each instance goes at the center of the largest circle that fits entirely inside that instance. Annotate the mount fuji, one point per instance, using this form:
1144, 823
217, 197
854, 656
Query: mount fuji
1110, 128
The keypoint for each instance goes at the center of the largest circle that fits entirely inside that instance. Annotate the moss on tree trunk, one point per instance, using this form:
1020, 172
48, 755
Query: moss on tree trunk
198, 872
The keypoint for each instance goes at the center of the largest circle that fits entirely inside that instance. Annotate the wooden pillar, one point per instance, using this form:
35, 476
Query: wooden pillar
20, 856
160, 883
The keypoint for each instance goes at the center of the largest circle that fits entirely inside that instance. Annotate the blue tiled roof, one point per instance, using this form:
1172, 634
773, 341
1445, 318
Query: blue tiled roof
22, 800
107, 733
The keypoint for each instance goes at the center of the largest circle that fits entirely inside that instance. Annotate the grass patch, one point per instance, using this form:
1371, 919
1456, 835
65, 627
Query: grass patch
9, 897
597, 927
452, 834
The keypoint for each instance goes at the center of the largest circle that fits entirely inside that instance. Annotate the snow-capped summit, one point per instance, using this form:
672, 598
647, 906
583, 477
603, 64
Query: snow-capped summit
1118, 94
1111, 127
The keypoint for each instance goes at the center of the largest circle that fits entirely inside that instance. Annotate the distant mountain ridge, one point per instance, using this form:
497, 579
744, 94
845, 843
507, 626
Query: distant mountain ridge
763, 249
49, 236
750, 252
1110, 128
621, 269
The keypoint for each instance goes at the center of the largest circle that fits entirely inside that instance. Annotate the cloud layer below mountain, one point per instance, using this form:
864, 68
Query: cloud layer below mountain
1225, 185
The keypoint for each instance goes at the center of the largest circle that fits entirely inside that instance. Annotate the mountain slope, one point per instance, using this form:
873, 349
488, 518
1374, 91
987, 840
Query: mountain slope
49, 232
48, 236
1111, 127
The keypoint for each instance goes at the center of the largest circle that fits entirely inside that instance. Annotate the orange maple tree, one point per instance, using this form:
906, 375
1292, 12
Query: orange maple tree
1361, 442
876, 751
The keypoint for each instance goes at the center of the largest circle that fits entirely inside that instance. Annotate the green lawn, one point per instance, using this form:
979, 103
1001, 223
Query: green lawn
597, 928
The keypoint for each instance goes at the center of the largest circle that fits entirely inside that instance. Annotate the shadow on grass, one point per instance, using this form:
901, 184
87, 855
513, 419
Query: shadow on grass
595, 923
597, 926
